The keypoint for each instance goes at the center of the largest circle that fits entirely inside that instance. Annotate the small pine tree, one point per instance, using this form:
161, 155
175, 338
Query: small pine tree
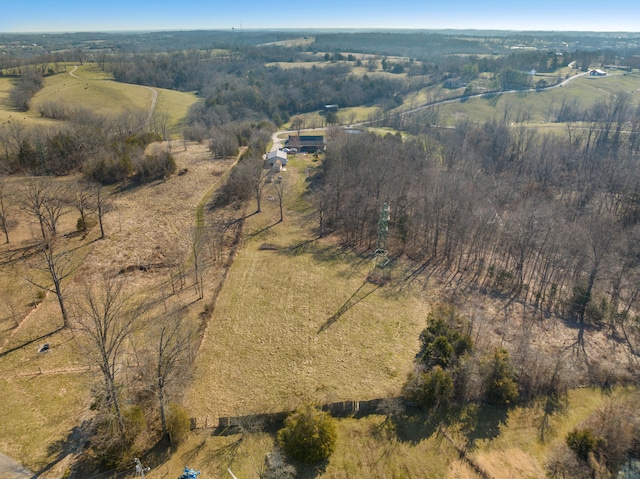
582, 442
501, 386
430, 390
308, 435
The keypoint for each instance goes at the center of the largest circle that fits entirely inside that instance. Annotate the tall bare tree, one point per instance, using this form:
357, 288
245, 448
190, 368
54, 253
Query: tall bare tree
106, 321
279, 189
57, 264
80, 197
101, 205
173, 352
45, 201
4, 197
197, 243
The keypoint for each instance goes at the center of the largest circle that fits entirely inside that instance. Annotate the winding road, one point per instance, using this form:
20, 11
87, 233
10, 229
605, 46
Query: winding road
277, 141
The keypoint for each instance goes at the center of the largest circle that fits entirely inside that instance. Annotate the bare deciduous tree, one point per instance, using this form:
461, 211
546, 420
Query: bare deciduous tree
80, 197
4, 220
197, 243
57, 264
173, 352
45, 201
105, 320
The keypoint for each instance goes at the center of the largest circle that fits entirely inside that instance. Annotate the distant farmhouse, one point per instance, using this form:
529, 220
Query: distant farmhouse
453, 83
597, 73
305, 144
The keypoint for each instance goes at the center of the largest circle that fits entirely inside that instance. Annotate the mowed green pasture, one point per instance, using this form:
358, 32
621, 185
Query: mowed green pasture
95, 90
9, 114
541, 105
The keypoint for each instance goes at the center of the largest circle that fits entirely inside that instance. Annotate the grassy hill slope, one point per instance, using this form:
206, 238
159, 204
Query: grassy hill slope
90, 88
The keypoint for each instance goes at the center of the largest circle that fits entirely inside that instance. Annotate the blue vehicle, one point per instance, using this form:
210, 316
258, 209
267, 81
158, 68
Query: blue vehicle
189, 474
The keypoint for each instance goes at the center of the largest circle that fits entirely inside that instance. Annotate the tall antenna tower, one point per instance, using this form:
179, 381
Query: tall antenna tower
383, 231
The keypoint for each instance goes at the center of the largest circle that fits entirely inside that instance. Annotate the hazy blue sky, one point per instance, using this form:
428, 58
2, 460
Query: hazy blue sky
88, 15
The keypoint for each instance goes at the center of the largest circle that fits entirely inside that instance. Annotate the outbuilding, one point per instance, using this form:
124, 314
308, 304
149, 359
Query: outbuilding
277, 155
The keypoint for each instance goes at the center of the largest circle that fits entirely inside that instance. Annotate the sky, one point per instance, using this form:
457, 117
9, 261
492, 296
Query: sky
116, 15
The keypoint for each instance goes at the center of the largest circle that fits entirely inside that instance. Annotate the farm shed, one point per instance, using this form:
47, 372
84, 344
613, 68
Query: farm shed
277, 155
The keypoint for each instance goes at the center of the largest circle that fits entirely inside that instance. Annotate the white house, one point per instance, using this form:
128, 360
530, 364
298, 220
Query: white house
277, 155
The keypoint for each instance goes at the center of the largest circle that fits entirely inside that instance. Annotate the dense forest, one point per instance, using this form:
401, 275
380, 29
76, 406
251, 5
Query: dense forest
493, 206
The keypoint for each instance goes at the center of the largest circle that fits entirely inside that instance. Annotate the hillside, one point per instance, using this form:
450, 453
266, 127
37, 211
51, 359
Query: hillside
454, 279
89, 88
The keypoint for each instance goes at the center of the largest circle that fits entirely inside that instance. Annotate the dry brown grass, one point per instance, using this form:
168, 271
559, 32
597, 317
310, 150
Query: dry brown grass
274, 341
45, 394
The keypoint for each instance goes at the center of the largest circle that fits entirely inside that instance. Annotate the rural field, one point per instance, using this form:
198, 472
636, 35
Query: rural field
143, 225
87, 87
288, 301
481, 324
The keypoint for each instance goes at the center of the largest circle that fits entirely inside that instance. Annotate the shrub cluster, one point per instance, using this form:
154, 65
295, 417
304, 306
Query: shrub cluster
309, 435
449, 368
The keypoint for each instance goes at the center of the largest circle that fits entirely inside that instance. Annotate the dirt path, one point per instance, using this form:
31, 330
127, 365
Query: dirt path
154, 98
154, 95
72, 73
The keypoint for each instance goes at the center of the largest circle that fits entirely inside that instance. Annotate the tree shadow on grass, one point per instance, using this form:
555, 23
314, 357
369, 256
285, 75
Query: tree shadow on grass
73, 444
359, 295
310, 471
31, 341
482, 423
488, 421
414, 426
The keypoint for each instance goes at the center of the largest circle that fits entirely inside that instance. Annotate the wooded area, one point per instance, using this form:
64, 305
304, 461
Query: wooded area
496, 207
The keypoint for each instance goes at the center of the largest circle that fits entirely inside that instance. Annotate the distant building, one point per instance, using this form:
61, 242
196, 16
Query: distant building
277, 155
453, 83
597, 73
306, 144
331, 107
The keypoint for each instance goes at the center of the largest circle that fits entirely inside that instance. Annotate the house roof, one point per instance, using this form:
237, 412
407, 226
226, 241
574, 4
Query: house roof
277, 155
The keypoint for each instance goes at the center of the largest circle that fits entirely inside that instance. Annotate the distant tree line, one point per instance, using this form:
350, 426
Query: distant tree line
242, 86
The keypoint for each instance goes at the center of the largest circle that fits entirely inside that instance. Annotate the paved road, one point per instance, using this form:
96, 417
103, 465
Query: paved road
10, 469
488, 94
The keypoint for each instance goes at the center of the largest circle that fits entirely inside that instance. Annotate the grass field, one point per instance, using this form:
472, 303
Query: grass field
95, 90
8, 113
47, 395
297, 321
266, 348
587, 90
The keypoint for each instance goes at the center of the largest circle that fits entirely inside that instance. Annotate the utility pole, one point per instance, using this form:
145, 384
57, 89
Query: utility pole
140, 470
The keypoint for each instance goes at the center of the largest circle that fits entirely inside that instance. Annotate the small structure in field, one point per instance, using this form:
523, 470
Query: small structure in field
276, 156
597, 73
